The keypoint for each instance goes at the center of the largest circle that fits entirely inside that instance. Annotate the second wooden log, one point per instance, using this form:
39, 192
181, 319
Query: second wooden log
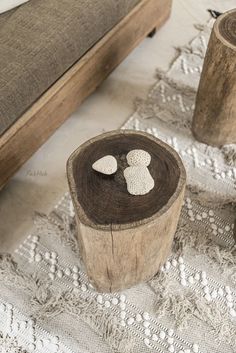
214, 120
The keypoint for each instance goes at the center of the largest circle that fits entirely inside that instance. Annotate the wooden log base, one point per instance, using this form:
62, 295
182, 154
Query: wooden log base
214, 120
123, 238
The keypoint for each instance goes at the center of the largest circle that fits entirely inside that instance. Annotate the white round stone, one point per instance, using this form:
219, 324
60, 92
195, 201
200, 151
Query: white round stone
183, 282
170, 340
220, 292
171, 348
105, 165
214, 294
76, 283
227, 228
170, 332
138, 158
195, 348
232, 312
180, 260
204, 215
182, 267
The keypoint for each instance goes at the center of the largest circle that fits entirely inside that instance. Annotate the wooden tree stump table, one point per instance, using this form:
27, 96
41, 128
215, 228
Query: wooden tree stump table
124, 239
214, 120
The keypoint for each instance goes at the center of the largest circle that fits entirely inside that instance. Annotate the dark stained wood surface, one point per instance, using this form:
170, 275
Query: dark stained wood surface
105, 199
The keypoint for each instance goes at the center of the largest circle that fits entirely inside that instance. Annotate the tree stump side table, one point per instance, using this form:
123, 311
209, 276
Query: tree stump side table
214, 120
124, 239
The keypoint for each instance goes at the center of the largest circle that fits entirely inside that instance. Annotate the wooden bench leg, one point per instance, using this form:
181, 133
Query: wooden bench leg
152, 33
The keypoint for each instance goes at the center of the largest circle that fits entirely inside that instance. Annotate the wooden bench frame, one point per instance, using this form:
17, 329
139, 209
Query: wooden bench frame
36, 125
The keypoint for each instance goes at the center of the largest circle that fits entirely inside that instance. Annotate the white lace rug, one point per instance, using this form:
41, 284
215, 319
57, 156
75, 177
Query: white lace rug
46, 301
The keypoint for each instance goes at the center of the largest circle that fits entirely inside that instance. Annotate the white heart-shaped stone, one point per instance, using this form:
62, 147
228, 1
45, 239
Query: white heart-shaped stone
139, 180
106, 165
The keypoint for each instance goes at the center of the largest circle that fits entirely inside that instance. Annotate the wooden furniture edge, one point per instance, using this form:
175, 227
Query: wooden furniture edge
38, 123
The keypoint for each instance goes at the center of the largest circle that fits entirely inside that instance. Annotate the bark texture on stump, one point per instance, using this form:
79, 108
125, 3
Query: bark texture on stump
214, 120
124, 239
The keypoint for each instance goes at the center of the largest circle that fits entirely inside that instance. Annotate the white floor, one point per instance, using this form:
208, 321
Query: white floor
41, 182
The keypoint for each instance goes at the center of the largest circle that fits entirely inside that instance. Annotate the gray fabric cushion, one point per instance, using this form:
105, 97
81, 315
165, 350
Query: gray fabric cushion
41, 39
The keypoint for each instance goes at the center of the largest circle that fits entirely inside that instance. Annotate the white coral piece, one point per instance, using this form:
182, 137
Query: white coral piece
138, 157
106, 165
139, 180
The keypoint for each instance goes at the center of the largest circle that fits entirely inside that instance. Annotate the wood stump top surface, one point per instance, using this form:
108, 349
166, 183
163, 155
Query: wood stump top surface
104, 200
226, 27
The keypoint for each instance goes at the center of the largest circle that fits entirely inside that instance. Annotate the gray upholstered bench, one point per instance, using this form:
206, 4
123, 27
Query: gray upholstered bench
53, 54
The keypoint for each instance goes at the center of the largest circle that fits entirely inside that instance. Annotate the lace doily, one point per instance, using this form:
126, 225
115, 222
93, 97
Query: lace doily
46, 301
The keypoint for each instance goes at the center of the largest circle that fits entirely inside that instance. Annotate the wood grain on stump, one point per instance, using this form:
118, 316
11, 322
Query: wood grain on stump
123, 238
214, 120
